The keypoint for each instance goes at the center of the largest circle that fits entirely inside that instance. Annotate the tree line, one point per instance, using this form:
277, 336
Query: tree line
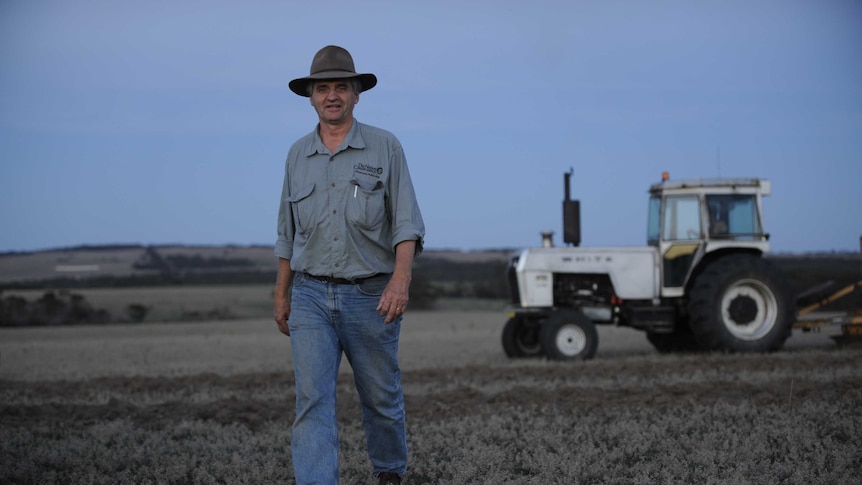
61, 308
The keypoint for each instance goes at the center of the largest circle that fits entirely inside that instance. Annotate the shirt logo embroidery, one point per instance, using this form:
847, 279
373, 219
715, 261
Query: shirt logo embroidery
366, 169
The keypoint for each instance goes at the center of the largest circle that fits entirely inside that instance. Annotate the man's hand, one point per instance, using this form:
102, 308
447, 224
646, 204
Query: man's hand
393, 302
281, 296
281, 312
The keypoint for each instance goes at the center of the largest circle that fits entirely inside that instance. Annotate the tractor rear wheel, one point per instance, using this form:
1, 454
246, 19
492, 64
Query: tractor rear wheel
569, 335
521, 338
741, 303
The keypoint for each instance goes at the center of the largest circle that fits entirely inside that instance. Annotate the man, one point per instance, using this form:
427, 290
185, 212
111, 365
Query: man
348, 228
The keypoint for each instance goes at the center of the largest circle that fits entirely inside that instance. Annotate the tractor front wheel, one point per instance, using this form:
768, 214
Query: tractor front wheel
569, 335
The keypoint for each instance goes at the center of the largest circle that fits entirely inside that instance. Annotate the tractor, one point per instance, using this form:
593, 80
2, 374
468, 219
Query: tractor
700, 284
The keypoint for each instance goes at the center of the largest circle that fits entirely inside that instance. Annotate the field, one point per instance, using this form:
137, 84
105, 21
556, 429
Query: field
212, 402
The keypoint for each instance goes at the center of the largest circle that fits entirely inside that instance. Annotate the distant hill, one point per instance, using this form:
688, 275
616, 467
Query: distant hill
82, 262
179, 261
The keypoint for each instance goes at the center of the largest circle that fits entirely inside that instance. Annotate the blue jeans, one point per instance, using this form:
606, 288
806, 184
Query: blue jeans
327, 319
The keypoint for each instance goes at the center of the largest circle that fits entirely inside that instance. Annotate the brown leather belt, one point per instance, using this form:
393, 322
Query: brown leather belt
341, 281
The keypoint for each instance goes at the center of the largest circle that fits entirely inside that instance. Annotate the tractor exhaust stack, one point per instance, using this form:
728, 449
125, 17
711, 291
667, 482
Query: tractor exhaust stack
571, 214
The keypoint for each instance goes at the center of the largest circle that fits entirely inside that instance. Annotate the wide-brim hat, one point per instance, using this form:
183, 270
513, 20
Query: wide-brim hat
332, 62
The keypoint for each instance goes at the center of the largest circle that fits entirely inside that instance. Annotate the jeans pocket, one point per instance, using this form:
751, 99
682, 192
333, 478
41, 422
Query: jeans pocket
298, 279
373, 286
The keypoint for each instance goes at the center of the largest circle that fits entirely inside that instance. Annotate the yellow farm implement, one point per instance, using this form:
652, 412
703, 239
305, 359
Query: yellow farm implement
851, 322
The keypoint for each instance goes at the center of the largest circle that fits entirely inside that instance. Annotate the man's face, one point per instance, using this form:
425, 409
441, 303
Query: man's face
334, 101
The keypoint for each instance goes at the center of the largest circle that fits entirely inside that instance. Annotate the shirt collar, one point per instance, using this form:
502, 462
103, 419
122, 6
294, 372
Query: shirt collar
352, 140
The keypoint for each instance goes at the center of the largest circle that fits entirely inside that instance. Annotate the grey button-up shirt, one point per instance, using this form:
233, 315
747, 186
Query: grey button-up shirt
343, 213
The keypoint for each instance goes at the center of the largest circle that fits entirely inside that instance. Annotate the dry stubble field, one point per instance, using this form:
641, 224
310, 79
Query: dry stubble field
213, 403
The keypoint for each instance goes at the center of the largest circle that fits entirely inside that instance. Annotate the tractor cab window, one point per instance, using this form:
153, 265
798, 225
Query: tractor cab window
733, 216
654, 220
681, 218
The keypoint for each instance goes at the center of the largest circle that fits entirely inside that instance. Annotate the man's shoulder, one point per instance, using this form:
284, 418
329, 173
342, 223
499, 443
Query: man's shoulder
305, 142
373, 133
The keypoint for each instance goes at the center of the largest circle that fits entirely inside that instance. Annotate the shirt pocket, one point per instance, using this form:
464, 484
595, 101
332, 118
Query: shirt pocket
366, 208
302, 208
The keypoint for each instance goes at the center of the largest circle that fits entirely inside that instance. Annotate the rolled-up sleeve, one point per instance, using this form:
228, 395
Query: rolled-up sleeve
407, 223
284, 242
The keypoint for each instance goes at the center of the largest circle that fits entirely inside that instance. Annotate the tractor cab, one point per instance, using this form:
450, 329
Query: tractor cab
690, 220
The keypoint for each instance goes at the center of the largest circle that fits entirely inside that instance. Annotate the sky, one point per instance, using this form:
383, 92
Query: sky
165, 122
